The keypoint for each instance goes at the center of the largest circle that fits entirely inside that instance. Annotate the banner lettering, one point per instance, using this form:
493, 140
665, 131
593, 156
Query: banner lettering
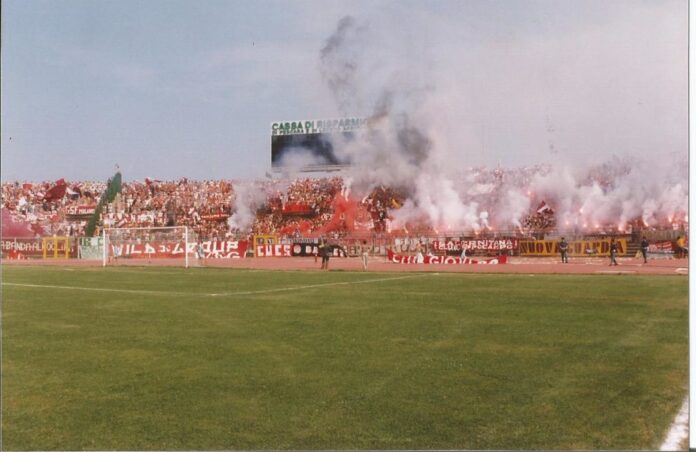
455, 244
401, 259
80, 211
599, 247
218, 249
26, 247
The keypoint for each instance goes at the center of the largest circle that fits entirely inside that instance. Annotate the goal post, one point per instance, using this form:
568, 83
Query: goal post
170, 245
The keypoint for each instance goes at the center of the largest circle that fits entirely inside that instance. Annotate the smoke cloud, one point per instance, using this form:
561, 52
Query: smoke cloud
483, 118
418, 141
249, 196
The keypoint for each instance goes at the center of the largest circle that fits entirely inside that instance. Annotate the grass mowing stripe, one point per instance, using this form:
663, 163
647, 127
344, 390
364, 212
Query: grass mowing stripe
224, 294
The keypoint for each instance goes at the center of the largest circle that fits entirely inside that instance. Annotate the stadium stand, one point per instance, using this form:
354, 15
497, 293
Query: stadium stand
297, 208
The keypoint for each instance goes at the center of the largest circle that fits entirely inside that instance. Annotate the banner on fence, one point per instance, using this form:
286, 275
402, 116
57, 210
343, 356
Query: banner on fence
215, 249
279, 250
304, 249
91, 248
401, 259
455, 244
664, 246
296, 250
22, 247
599, 247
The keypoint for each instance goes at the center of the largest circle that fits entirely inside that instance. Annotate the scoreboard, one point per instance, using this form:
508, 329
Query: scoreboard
312, 145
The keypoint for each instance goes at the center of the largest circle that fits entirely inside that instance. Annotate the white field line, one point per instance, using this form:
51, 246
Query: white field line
98, 289
311, 286
223, 294
679, 431
615, 272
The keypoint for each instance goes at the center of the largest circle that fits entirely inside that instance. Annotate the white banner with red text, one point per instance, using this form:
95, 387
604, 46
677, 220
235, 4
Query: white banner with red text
212, 249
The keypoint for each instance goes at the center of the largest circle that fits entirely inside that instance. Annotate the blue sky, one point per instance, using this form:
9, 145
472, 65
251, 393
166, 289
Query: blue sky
189, 88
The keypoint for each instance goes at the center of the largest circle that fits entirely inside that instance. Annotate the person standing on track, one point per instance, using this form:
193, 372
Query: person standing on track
613, 249
644, 244
364, 254
563, 247
464, 248
324, 251
419, 252
200, 254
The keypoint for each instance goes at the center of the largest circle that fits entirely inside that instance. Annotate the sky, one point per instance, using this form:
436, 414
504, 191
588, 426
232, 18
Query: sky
170, 89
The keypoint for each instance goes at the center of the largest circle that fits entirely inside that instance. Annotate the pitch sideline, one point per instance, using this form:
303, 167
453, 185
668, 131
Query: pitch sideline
679, 430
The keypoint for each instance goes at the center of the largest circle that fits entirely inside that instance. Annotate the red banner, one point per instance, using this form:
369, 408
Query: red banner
399, 259
273, 250
215, 217
25, 247
227, 249
297, 209
484, 244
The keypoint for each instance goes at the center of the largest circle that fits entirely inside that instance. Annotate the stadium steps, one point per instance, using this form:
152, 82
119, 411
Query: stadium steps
632, 248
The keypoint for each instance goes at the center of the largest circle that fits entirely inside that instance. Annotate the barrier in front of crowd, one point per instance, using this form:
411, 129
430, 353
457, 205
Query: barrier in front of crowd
38, 248
577, 248
55, 247
272, 245
21, 248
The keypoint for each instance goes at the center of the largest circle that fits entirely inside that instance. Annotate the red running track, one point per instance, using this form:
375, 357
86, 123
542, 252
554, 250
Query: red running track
525, 265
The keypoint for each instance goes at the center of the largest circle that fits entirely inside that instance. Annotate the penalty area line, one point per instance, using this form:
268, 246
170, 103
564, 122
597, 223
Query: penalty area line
99, 289
312, 286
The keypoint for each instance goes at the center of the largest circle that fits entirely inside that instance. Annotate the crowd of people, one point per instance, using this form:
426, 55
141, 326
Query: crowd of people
203, 206
48, 211
299, 207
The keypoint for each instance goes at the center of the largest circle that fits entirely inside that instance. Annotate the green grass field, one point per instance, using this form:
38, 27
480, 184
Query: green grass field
166, 358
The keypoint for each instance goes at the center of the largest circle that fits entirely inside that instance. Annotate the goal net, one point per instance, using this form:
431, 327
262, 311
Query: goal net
157, 245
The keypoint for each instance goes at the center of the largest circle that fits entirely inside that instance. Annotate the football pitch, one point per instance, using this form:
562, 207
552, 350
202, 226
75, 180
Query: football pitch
201, 358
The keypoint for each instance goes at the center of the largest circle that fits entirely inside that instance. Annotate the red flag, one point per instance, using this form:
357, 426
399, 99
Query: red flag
57, 191
544, 208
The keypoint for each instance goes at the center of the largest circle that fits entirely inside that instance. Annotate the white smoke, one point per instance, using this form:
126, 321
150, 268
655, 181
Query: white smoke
407, 146
440, 106
248, 197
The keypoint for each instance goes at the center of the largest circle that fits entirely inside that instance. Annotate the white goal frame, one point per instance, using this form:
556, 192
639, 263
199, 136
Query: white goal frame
184, 229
